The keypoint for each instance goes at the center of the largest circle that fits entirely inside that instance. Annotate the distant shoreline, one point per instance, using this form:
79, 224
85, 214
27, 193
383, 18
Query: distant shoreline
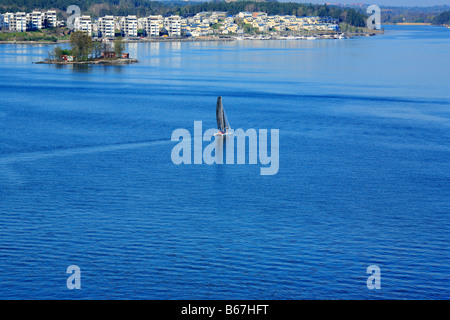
413, 24
417, 24
125, 40
202, 39
234, 37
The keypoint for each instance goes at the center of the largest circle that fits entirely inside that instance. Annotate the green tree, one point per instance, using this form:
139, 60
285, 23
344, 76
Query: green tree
81, 44
443, 18
119, 47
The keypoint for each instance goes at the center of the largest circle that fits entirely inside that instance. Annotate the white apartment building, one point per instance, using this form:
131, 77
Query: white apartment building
34, 20
128, 25
173, 25
21, 21
106, 27
18, 22
7, 19
84, 24
50, 18
152, 25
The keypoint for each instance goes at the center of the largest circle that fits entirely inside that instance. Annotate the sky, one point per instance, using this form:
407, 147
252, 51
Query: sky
409, 3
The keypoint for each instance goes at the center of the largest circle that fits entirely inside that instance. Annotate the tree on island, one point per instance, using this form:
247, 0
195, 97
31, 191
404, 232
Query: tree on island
97, 50
82, 45
119, 47
58, 52
84, 49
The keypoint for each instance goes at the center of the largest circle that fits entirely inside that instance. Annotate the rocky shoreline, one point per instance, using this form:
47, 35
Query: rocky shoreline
111, 62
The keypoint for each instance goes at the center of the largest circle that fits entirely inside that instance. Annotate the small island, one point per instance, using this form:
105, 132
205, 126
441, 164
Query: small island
85, 51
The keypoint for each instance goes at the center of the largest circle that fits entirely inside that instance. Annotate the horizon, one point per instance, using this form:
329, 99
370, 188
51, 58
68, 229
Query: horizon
390, 3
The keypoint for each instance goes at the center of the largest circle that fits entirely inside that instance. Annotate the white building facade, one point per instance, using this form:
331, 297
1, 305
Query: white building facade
172, 25
50, 18
83, 24
152, 25
7, 19
34, 20
128, 25
106, 27
18, 22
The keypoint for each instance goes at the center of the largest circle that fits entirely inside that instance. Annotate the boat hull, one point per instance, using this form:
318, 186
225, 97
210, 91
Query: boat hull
219, 134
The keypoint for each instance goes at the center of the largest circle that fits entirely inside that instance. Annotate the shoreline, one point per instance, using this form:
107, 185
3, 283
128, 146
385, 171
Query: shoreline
325, 36
416, 24
111, 62
413, 24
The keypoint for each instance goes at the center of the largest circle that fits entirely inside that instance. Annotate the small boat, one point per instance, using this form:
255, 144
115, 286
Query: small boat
222, 120
311, 38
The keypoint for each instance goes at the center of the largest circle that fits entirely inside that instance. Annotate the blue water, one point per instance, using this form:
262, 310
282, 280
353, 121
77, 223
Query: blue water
86, 176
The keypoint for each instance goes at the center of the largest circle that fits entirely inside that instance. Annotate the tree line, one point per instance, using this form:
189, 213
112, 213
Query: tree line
82, 48
411, 14
443, 18
142, 8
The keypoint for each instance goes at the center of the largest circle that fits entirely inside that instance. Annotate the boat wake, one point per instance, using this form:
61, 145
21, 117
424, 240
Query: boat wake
64, 152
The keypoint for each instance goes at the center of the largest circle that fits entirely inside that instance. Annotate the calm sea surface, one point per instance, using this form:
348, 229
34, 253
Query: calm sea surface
86, 176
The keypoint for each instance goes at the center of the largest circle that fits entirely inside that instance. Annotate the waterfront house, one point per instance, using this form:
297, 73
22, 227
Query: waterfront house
66, 58
108, 54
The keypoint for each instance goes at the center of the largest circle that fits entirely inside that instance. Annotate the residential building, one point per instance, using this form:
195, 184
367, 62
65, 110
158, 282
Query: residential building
220, 15
128, 25
2, 21
7, 20
106, 27
18, 22
152, 25
172, 25
34, 20
84, 24
50, 18
243, 15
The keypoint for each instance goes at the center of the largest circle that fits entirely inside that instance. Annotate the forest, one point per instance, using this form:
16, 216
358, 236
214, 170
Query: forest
413, 14
442, 19
142, 8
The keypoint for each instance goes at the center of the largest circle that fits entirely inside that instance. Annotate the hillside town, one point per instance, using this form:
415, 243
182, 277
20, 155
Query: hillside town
200, 25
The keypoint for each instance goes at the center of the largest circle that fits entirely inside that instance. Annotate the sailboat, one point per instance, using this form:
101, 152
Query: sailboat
222, 121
